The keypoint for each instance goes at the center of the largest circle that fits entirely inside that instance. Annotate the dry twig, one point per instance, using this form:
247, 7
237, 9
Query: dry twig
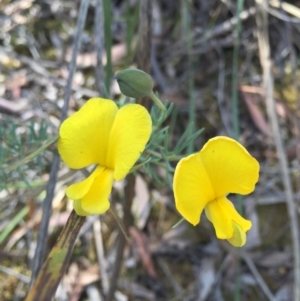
47, 203
264, 49
99, 45
260, 281
129, 195
100, 254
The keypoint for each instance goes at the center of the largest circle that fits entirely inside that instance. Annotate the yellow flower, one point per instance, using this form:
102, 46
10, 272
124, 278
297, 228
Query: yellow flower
100, 133
203, 180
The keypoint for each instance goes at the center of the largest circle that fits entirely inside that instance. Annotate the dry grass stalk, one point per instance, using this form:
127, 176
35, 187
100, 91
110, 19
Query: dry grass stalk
268, 82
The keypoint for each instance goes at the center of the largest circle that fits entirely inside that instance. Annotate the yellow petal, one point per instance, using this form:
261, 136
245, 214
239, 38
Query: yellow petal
78, 190
229, 165
96, 199
129, 135
220, 220
227, 206
192, 188
239, 236
78, 209
84, 135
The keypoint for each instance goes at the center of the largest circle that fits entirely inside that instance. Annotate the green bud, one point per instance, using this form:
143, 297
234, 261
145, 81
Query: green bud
134, 83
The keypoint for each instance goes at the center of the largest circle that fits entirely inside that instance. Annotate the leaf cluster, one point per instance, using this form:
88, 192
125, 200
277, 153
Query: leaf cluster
17, 140
158, 152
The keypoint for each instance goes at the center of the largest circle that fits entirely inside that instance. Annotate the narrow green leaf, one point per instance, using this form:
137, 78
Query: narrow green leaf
12, 224
178, 223
57, 261
32, 155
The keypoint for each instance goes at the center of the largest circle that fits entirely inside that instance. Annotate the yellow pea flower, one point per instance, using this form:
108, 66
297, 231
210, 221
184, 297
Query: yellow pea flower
101, 133
203, 180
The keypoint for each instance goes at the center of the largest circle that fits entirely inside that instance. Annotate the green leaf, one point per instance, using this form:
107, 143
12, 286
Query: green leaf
12, 224
57, 261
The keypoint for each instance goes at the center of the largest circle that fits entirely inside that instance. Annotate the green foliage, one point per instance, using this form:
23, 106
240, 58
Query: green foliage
18, 140
12, 223
158, 152
132, 20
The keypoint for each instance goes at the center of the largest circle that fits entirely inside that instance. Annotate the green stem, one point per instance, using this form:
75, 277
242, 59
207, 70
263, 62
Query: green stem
169, 158
12, 224
178, 223
57, 261
114, 213
32, 155
157, 101
235, 66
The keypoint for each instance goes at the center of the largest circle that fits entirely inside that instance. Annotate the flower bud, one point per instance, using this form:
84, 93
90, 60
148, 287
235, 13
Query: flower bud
134, 83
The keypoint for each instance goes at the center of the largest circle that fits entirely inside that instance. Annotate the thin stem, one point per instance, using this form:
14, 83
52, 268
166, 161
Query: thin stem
100, 254
235, 124
32, 155
178, 223
99, 46
268, 82
169, 158
108, 42
57, 262
157, 101
118, 220
235, 66
127, 221
47, 203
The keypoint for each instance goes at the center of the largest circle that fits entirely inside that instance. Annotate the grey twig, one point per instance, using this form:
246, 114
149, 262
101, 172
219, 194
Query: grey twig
100, 254
258, 277
127, 219
99, 45
145, 44
220, 93
268, 82
15, 274
72, 67
47, 203
260, 281
43, 229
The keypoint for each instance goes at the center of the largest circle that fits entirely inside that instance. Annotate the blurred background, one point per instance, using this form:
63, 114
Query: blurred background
230, 67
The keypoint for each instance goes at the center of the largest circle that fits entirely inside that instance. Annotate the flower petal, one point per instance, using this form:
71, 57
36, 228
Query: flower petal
84, 135
129, 135
227, 206
192, 188
239, 236
78, 190
220, 219
229, 165
78, 209
96, 199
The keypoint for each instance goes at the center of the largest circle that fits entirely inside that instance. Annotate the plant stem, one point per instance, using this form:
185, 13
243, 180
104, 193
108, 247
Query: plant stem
57, 261
127, 221
235, 124
157, 101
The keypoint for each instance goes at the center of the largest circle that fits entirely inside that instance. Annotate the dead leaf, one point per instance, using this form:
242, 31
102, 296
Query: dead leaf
275, 259
141, 206
143, 251
15, 84
206, 278
256, 115
12, 106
